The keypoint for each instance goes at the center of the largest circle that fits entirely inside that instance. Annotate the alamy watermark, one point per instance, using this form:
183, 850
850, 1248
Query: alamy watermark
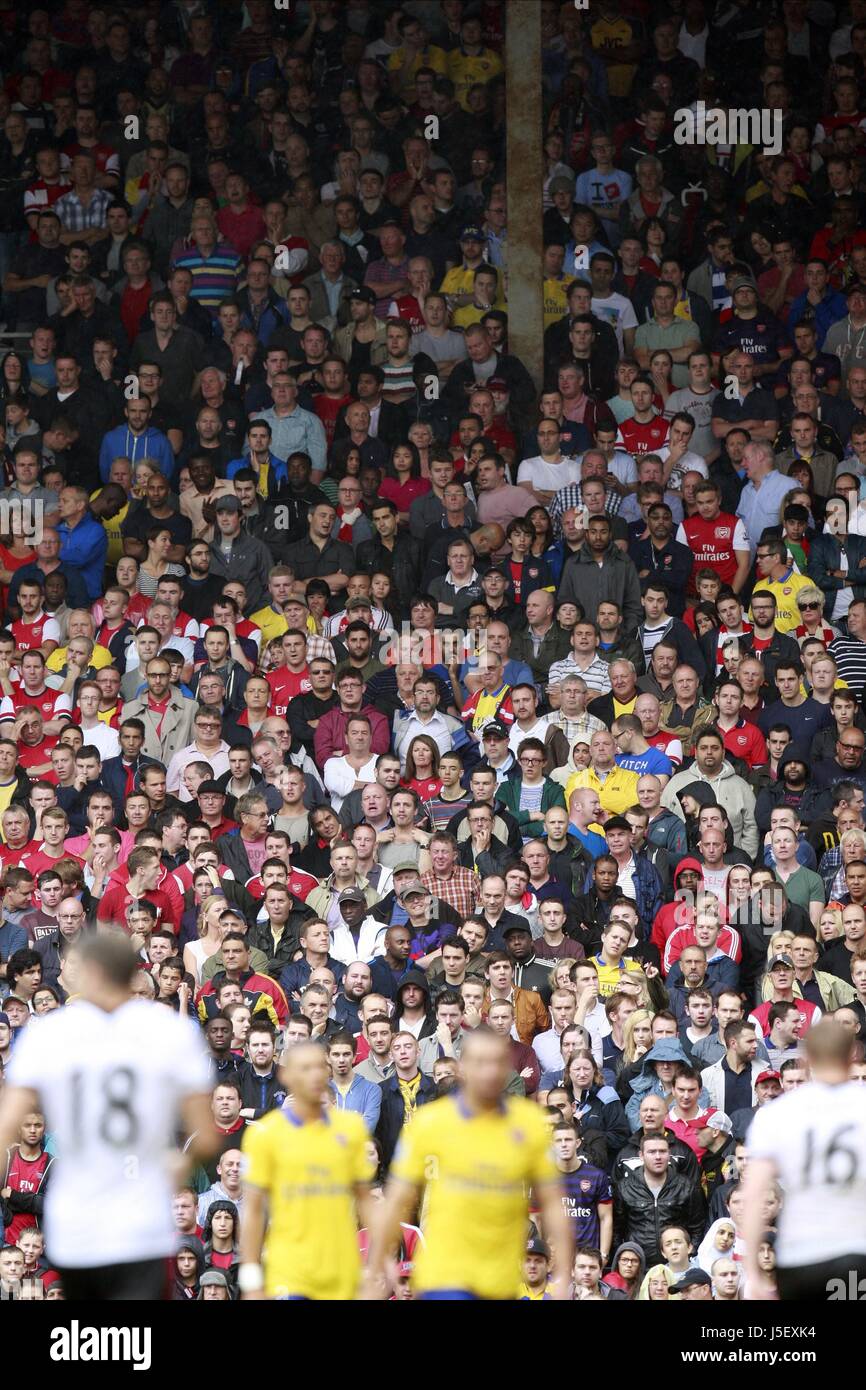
23, 516
703, 125
77, 1343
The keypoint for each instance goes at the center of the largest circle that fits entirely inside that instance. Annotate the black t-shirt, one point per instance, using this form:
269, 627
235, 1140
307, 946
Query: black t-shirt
141, 519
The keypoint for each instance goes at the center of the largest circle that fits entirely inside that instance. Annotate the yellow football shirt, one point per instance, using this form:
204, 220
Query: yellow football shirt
309, 1172
467, 69
101, 657
478, 1169
609, 976
616, 793
112, 528
785, 592
272, 624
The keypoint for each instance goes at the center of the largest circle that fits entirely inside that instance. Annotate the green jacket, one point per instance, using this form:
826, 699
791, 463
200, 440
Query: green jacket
508, 796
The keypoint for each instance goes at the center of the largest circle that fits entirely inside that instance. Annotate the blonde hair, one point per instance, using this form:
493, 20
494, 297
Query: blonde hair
657, 1272
202, 923
836, 913
628, 1050
810, 593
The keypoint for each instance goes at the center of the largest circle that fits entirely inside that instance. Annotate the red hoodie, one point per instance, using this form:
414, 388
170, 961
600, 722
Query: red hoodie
677, 913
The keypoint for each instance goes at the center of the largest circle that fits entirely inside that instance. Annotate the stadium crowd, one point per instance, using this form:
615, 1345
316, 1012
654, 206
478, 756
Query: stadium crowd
378, 695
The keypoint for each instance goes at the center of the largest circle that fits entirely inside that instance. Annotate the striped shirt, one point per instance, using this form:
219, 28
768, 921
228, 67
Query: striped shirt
215, 277
439, 811
596, 675
850, 657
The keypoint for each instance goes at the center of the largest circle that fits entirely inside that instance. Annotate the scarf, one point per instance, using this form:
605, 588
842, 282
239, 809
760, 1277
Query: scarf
409, 1092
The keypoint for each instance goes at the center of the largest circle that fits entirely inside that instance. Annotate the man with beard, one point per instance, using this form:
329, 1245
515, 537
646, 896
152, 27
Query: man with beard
201, 589
789, 787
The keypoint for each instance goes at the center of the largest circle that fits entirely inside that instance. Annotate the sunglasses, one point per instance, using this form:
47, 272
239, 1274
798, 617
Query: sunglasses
806, 607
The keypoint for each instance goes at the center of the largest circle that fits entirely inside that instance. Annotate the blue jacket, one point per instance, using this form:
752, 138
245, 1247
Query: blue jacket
646, 1083
278, 476
295, 976
85, 548
648, 891
12, 938
831, 309
272, 317
122, 443
113, 777
363, 1098
825, 554
76, 590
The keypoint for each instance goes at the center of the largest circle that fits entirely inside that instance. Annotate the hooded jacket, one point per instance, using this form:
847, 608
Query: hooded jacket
586, 582
677, 913
774, 793
646, 1083
181, 1293
732, 793
231, 1272
666, 832
614, 1281
415, 977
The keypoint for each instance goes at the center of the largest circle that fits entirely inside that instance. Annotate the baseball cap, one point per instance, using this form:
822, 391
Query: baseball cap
4, 1018
413, 890
768, 1076
494, 569
495, 730
362, 292
691, 1279
472, 232
781, 960
741, 282
617, 823
856, 288
211, 786
537, 1246
407, 867
227, 504
351, 895
358, 602
721, 1122
516, 926
297, 598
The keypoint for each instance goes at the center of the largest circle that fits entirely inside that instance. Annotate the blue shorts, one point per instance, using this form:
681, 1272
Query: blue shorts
451, 1294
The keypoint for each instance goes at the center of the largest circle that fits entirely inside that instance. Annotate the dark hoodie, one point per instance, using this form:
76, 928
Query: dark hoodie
614, 1280
777, 793
415, 977
704, 796
228, 1263
187, 1292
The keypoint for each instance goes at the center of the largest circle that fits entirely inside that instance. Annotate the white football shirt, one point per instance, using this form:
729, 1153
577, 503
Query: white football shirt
816, 1136
111, 1085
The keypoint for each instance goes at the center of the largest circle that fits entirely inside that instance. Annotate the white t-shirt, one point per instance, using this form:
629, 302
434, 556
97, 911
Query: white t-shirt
110, 1086
816, 1136
103, 737
548, 477
617, 311
689, 463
